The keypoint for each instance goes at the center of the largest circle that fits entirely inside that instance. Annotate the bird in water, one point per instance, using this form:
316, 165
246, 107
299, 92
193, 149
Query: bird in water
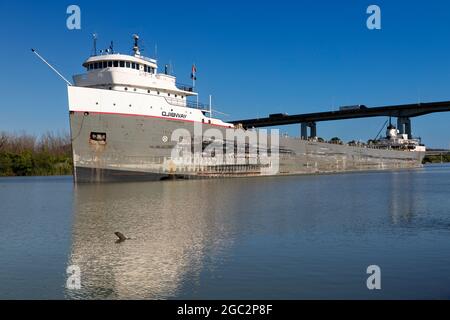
121, 237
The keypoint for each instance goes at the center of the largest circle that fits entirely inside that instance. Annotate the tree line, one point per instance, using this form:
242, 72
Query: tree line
29, 155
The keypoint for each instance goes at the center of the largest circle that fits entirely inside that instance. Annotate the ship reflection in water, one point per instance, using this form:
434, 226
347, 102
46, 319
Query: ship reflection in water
171, 227
264, 238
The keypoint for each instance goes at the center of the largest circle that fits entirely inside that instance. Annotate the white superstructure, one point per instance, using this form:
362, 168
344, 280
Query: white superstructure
396, 140
131, 85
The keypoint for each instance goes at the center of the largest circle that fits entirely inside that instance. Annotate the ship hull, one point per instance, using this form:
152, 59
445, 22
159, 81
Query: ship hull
139, 148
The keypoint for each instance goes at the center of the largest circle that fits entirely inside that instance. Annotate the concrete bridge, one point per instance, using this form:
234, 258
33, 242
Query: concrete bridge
308, 121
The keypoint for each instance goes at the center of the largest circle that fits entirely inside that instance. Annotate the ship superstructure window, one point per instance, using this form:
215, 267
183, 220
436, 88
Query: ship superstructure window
120, 64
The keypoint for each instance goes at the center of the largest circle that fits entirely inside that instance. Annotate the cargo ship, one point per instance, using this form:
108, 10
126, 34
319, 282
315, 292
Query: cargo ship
129, 122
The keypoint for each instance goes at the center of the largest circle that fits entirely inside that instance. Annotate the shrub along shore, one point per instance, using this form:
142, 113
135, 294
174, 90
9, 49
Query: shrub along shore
29, 155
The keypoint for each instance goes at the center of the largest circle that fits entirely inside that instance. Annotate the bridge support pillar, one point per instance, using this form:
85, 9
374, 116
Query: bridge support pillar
404, 126
304, 130
313, 128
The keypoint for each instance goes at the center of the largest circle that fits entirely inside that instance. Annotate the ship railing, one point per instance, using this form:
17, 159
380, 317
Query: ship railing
188, 104
185, 87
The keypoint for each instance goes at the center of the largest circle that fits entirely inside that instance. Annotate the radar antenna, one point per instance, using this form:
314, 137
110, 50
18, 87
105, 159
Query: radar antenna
111, 47
136, 45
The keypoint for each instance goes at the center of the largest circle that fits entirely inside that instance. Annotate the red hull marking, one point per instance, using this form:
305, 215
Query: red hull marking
147, 116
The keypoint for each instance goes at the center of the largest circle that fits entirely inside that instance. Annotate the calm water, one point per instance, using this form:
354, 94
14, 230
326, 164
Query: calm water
292, 237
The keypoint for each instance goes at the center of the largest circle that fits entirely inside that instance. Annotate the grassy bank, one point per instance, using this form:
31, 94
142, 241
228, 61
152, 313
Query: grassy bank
28, 155
437, 159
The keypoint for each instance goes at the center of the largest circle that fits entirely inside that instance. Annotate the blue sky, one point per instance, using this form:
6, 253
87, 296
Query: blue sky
255, 58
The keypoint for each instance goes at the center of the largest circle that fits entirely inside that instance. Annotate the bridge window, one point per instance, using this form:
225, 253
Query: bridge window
116, 64
133, 65
128, 64
122, 64
137, 66
110, 64
105, 64
96, 65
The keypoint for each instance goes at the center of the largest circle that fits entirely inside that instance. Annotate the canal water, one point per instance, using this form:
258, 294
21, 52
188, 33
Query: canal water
299, 237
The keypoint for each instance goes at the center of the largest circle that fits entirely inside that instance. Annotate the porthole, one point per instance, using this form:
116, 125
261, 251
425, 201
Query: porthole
130, 105
148, 91
134, 89
126, 89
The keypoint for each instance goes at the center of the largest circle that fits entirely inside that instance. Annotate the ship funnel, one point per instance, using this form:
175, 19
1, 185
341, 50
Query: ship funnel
391, 132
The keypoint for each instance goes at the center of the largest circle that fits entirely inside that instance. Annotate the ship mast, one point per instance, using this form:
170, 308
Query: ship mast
94, 38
